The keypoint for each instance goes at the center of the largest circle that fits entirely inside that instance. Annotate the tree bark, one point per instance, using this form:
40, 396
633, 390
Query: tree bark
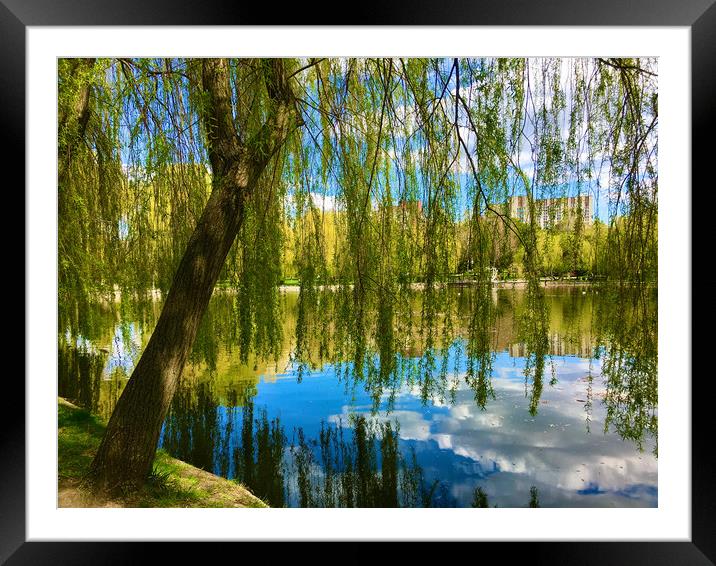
126, 453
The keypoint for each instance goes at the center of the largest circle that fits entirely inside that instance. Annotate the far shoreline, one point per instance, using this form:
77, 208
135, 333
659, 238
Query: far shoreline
545, 282
502, 284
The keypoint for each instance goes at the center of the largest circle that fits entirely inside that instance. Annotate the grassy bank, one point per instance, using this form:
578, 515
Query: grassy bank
173, 483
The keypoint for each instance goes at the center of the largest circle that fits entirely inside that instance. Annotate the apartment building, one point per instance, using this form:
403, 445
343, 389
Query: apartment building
551, 211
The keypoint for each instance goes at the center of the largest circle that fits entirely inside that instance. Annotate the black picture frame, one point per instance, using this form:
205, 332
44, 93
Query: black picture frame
698, 15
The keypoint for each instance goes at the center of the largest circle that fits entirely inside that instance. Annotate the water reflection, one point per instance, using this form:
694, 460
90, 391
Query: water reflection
628, 348
556, 408
80, 371
357, 465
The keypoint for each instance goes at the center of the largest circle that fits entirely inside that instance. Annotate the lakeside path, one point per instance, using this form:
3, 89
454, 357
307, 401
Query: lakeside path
173, 483
507, 284
156, 294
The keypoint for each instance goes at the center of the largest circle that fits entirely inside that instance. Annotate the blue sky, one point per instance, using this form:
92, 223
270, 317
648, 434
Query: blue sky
184, 146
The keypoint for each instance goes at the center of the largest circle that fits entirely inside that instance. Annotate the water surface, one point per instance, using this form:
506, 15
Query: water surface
324, 436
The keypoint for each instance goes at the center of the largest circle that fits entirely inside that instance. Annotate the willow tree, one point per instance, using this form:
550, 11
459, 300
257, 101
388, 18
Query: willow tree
175, 173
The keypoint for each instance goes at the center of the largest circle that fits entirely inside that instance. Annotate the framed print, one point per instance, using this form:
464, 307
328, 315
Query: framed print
345, 273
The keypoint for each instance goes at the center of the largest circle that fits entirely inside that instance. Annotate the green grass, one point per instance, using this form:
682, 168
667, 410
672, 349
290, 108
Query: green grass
79, 435
172, 483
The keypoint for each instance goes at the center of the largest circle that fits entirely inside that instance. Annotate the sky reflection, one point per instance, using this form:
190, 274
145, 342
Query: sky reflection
563, 450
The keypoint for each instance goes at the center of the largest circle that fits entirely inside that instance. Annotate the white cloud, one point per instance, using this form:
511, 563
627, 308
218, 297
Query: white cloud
324, 202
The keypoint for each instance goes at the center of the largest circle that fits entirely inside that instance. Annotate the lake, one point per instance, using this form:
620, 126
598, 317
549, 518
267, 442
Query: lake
431, 431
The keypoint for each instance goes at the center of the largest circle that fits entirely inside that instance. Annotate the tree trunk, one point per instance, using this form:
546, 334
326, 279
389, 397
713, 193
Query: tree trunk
127, 451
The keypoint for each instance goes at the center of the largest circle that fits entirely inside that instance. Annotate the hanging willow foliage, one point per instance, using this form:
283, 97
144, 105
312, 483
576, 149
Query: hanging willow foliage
393, 160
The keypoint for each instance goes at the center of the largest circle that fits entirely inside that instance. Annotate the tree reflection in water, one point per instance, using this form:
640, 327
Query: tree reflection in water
356, 464
360, 459
628, 348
